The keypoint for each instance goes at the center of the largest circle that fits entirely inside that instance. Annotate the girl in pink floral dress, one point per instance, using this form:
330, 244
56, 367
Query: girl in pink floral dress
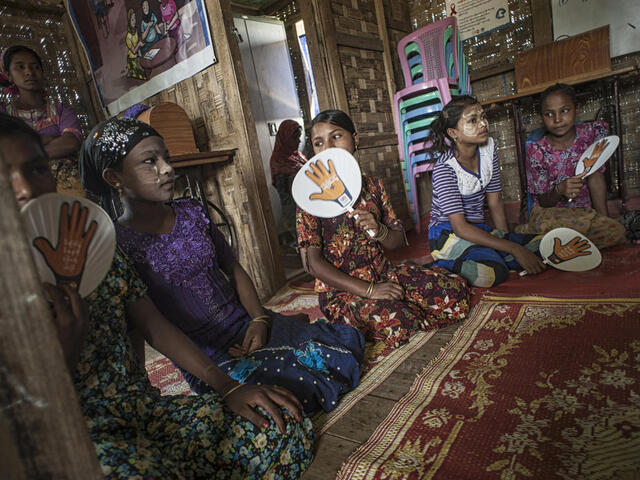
561, 198
356, 284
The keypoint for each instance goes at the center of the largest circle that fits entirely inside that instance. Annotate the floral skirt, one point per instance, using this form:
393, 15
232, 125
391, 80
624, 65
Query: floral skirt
433, 298
601, 230
193, 437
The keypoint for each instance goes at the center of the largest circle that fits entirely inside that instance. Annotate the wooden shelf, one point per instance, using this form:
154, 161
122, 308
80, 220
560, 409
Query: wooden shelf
217, 157
578, 79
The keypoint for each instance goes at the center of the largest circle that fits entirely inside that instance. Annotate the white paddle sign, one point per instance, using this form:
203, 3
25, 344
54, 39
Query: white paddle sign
568, 250
72, 240
595, 156
329, 184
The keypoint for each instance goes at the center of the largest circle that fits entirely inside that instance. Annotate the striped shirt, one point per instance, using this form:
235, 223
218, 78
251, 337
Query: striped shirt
458, 190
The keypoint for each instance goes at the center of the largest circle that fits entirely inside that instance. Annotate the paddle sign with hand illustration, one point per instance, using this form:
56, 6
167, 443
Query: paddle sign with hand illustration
336, 173
73, 240
569, 250
596, 155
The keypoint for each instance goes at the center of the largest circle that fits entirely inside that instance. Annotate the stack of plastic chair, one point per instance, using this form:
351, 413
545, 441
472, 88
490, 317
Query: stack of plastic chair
434, 69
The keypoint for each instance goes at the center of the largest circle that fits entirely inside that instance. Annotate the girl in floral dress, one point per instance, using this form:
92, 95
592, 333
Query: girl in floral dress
561, 198
199, 286
137, 432
356, 284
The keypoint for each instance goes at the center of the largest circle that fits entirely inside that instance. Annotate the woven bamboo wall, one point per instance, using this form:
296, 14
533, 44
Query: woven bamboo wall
42, 29
367, 92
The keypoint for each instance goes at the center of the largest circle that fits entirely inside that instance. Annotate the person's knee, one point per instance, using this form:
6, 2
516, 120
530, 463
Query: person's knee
484, 275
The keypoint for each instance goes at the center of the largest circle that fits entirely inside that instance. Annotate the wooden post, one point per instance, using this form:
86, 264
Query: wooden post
323, 51
42, 431
386, 54
261, 243
542, 23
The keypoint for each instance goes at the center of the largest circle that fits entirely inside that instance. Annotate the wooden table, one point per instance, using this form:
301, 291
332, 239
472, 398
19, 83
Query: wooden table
520, 133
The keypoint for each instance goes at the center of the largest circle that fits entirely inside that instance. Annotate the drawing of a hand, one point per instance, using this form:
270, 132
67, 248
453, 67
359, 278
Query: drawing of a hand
331, 187
593, 158
68, 258
575, 248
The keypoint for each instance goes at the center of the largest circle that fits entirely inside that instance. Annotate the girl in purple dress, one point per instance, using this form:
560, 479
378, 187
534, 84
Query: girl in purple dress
196, 282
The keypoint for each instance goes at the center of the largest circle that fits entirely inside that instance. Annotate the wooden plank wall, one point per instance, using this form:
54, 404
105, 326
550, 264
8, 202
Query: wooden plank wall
361, 48
216, 100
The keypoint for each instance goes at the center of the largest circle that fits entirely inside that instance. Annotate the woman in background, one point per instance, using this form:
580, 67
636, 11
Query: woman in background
55, 122
285, 162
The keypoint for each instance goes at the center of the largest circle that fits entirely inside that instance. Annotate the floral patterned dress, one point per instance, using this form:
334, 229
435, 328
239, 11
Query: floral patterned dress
433, 297
139, 434
184, 272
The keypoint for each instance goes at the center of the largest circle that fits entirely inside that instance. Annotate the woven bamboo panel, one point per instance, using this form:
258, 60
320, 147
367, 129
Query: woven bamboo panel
368, 96
44, 31
488, 50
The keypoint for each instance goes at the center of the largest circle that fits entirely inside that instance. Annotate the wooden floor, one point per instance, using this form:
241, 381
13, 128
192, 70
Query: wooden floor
335, 445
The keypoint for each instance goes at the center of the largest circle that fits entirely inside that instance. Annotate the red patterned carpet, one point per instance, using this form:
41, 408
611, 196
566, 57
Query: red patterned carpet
528, 389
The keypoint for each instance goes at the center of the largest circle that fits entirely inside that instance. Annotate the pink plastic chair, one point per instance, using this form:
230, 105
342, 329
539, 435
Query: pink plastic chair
430, 41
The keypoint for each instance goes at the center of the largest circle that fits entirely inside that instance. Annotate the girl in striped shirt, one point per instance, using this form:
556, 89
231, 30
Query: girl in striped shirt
466, 173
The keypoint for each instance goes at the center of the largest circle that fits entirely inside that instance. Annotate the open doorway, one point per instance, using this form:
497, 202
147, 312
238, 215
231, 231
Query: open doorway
281, 86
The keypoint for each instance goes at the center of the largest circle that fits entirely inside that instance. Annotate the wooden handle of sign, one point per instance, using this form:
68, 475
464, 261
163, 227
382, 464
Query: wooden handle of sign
369, 231
524, 272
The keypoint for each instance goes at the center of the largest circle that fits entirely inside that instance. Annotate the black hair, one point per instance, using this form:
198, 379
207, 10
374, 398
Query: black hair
562, 88
12, 50
334, 117
12, 126
448, 118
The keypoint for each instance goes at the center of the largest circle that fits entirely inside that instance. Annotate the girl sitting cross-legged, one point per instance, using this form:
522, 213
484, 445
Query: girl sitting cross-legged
465, 174
356, 284
196, 282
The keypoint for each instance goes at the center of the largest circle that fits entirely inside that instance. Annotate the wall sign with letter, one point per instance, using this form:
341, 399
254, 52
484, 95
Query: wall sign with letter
476, 17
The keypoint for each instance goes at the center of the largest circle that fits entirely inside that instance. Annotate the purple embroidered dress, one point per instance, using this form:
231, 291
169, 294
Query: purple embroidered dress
183, 270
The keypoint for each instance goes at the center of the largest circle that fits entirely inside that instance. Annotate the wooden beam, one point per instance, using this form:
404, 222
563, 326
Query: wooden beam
275, 6
244, 9
356, 41
542, 22
261, 243
386, 53
323, 50
40, 417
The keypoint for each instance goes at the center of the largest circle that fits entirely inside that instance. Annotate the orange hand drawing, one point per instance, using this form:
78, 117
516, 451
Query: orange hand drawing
593, 158
331, 187
67, 260
575, 248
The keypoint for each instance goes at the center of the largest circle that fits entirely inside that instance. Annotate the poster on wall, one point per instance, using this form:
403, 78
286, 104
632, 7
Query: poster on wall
137, 48
476, 17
